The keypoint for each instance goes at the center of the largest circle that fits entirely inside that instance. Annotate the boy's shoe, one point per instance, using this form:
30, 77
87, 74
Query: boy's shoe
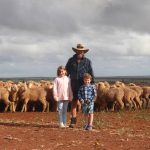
85, 126
89, 128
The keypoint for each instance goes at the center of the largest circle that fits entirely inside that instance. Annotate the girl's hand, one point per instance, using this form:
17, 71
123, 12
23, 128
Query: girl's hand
56, 98
70, 99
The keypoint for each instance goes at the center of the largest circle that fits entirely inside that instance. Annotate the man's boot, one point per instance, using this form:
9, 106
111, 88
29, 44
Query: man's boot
73, 122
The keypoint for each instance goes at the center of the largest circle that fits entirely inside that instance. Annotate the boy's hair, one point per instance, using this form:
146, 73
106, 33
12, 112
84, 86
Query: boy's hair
87, 76
61, 68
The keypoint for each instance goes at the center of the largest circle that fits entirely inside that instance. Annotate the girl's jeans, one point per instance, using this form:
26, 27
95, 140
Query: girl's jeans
62, 111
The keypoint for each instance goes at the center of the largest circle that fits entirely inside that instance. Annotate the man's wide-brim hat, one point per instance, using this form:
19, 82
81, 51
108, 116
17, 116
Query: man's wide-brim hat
80, 47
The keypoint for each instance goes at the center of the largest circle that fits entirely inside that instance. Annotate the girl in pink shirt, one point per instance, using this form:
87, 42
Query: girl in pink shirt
62, 94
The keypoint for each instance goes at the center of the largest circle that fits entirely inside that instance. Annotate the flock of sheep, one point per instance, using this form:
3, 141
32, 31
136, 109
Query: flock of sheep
13, 95
122, 96
35, 96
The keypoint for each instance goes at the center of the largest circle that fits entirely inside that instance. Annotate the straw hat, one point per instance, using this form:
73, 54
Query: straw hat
80, 47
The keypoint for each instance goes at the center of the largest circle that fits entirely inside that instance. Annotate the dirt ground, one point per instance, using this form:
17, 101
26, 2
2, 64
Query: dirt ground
39, 131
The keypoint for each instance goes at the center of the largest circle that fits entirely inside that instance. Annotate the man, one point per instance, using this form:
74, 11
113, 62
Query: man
76, 67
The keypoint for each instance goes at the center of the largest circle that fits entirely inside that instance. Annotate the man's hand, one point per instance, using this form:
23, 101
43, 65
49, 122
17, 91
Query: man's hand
82, 101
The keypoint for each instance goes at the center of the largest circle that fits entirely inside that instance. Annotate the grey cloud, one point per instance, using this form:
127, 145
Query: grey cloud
129, 15
122, 66
36, 16
37, 36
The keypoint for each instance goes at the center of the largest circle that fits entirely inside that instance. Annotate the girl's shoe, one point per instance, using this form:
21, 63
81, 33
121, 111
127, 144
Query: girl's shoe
61, 125
66, 126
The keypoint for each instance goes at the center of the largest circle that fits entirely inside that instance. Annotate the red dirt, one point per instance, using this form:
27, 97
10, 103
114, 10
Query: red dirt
39, 131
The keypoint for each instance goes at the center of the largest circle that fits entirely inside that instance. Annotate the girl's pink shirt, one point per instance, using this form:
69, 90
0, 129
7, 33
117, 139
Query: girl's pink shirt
62, 88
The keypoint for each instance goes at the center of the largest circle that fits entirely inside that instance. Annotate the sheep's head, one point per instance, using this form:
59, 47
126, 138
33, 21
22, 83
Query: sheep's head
119, 84
14, 88
106, 84
132, 84
100, 85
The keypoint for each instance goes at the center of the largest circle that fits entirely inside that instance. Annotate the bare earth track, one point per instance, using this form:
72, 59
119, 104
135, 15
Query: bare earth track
39, 131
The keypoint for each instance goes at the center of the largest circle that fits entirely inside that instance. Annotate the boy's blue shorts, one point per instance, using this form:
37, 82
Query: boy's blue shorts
88, 108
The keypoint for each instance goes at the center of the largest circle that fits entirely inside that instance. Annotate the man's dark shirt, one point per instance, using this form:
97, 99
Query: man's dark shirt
76, 71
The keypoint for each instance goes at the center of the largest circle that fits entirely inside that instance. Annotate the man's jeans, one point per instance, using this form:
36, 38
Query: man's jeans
62, 111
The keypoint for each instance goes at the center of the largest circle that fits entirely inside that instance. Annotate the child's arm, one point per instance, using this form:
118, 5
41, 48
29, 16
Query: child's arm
55, 90
95, 99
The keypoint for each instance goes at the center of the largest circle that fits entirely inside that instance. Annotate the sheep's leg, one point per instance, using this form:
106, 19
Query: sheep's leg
15, 106
113, 107
7, 103
143, 102
147, 101
121, 104
48, 107
43, 101
132, 103
24, 107
139, 102
12, 107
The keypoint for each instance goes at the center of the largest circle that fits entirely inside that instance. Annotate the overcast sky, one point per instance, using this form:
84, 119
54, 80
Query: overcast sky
36, 36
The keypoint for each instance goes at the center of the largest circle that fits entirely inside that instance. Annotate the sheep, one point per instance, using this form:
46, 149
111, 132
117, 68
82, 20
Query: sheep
130, 95
106, 94
4, 96
146, 95
13, 96
139, 92
52, 104
34, 94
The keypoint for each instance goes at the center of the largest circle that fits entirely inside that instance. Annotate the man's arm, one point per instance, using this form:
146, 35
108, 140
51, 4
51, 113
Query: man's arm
68, 67
80, 95
91, 72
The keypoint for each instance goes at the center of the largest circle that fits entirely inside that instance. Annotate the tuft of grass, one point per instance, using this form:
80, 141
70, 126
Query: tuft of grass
100, 123
124, 130
143, 115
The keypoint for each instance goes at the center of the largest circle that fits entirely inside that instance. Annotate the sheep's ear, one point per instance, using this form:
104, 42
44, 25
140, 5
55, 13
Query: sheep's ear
30, 85
16, 87
25, 86
98, 85
132, 84
8, 88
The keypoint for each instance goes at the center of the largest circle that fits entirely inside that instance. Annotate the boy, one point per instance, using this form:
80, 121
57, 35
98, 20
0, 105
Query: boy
87, 95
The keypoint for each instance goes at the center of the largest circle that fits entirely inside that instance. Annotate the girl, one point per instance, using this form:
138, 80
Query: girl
62, 94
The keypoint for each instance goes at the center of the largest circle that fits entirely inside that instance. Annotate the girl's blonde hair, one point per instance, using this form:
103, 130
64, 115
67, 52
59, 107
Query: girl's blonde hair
61, 68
